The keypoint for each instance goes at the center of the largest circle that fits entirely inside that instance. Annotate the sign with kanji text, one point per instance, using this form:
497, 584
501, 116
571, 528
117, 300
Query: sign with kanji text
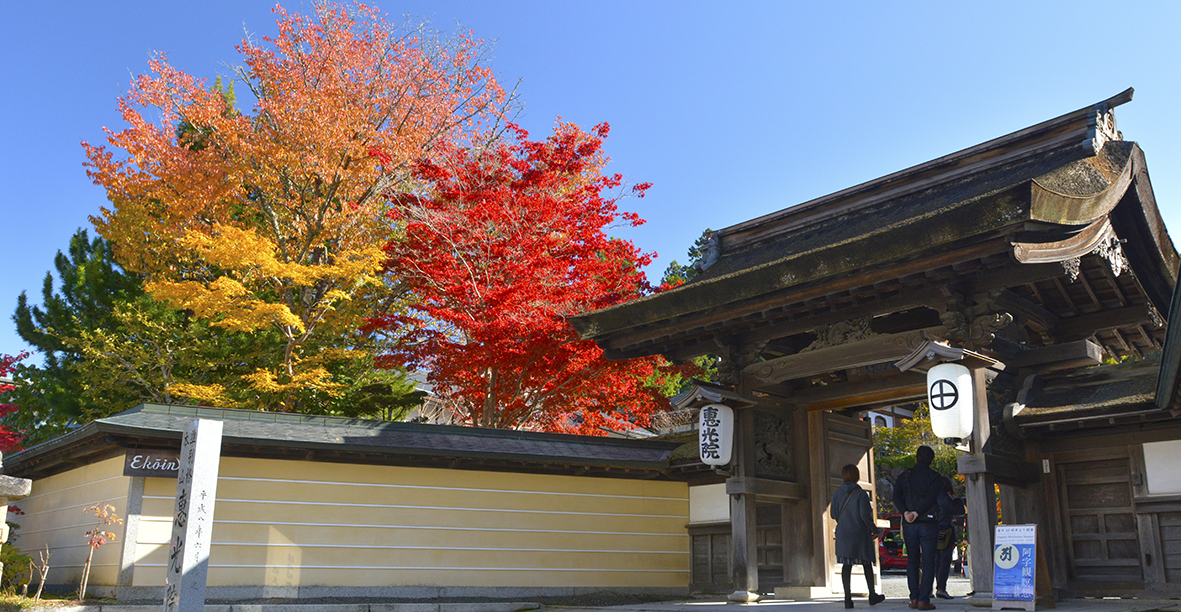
192, 523
1014, 564
715, 434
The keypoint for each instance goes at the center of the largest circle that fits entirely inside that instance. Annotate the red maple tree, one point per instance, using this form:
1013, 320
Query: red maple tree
504, 244
9, 440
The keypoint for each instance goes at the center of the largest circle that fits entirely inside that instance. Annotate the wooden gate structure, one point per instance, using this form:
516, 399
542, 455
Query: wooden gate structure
1042, 250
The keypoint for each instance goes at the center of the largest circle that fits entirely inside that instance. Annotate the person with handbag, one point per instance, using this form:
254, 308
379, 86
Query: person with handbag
855, 534
950, 507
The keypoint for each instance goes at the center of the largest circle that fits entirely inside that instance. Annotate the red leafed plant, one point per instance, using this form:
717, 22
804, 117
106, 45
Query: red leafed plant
105, 513
9, 440
504, 244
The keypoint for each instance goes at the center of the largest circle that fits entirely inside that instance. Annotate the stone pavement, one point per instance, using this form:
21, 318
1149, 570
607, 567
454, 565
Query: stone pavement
834, 604
489, 606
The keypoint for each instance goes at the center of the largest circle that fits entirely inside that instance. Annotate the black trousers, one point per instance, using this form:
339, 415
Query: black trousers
943, 563
921, 555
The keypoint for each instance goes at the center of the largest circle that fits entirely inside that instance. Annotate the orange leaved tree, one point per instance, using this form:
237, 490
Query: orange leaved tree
105, 515
271, 220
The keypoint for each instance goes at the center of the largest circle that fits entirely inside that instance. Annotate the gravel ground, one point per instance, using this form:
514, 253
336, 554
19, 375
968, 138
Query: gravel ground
894, 585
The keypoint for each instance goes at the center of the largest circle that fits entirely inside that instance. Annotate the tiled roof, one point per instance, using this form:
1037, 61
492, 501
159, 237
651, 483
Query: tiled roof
386, 440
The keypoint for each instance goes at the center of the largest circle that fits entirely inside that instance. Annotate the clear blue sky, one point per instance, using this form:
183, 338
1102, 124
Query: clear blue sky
732, 110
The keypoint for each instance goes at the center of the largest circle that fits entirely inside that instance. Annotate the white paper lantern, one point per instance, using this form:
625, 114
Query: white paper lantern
715, 434
950, 396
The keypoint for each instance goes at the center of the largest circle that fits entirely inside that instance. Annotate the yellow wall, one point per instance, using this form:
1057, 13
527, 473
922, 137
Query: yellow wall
54, 515
290, 523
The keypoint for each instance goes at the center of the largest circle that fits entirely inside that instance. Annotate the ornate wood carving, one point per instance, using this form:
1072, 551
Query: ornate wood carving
1071, 268
1101, 128
1111, 250
773, 447
956, 322
983, 329
735, 358
840, 333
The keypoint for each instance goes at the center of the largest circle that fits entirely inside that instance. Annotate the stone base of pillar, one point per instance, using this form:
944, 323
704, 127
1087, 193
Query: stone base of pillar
804, 592
980, 600
744, 597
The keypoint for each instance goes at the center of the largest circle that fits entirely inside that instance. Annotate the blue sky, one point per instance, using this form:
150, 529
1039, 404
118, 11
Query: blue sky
732, 111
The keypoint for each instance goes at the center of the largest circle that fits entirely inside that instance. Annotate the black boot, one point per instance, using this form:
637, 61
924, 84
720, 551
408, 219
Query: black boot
846, 581
874, 598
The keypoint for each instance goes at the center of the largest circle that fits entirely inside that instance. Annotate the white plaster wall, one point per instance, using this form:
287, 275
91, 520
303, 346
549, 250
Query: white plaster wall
1161, 460
709, 503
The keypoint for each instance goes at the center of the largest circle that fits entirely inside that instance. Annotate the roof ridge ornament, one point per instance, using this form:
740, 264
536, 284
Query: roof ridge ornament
1101, 128
710, 252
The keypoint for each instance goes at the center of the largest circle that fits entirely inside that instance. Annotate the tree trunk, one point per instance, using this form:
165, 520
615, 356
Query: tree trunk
85, 576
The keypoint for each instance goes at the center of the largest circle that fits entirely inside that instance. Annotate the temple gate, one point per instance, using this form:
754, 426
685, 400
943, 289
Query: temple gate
1042, 251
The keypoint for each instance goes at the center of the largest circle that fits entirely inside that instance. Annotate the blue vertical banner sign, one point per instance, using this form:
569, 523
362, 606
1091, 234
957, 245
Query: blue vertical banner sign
1014, 565
192, 524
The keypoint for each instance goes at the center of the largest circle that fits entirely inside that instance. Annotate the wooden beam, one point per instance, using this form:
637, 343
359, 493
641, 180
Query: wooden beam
899, 395
1085, 326
906, 301
875, 349
837, 396
764, 487
1059, 356
1013, 276
1005, 470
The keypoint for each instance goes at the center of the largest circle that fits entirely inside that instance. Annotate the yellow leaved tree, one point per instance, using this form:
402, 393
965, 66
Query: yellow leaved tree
274, 218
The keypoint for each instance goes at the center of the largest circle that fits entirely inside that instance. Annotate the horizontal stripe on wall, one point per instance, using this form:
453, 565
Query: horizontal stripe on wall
426, 487
40, 514
412, 507
469, 548
56, 491
438, 569
78, 566
681, 534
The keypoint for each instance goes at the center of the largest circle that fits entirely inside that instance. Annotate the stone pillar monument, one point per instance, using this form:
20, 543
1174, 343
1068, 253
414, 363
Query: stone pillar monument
11, 489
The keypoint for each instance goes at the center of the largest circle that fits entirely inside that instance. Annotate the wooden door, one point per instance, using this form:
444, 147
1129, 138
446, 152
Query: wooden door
710, 563
1099, 522
847, 440
769, 537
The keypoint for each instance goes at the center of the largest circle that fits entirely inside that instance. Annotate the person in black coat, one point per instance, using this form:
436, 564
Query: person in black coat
916, 495
855, 533
950, 506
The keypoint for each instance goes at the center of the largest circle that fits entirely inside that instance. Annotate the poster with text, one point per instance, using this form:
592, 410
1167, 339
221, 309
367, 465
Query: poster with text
1014, 563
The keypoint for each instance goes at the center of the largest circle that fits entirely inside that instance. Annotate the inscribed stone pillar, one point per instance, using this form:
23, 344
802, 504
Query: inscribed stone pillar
11, 489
